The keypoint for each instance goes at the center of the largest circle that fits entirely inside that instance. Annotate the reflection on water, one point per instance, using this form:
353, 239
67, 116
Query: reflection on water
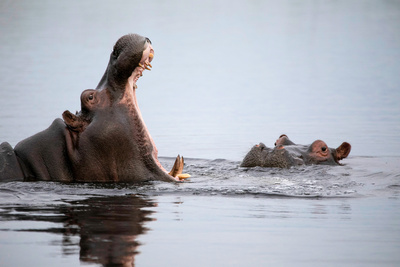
107, 227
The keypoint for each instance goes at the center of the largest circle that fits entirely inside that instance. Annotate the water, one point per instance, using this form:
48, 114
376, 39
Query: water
225, 215
226, 75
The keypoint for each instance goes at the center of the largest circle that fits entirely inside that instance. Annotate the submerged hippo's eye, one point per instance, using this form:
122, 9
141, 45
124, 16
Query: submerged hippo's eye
90, 97
323, 148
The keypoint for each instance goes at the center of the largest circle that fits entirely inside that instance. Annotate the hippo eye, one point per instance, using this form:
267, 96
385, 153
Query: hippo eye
323, 149
90, 97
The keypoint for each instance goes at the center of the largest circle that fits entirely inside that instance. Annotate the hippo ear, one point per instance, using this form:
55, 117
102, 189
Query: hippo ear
343, 151
284, 141
75, 123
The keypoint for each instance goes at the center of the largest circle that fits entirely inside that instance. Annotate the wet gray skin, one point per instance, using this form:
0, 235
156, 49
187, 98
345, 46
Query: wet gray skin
107, 141
286, 154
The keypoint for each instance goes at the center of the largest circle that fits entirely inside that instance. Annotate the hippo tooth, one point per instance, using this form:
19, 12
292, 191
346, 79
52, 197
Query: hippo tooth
174, 169
177, 169
183, 176
181, 163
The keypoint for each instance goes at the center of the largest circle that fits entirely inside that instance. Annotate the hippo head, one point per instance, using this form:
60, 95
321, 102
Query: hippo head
286, 154
110, 116
131, 55
107, 141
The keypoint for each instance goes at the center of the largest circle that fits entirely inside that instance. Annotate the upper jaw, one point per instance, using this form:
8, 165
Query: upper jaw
144, 64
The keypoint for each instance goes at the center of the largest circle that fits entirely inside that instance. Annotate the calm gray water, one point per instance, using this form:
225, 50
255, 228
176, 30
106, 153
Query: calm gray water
226, 75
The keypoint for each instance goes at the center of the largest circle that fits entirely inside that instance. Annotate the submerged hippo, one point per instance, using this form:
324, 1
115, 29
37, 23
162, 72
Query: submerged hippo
286, 154
107, 141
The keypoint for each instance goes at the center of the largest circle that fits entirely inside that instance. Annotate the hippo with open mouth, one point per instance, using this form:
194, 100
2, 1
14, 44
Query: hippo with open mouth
286, 154
107, 141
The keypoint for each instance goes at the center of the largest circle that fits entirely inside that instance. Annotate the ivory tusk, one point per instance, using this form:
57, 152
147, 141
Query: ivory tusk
175, 168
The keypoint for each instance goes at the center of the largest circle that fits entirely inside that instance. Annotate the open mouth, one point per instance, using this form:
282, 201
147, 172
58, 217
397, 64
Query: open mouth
143, 65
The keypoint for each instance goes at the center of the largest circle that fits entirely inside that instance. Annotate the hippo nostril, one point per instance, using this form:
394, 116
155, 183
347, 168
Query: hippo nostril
323, 149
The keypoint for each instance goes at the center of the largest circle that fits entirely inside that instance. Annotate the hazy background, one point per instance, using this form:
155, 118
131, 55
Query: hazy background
226, 74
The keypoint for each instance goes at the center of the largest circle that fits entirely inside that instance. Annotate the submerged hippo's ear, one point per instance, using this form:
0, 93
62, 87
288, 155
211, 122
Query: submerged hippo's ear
75, 123
343, 151
283, 140
89, 99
